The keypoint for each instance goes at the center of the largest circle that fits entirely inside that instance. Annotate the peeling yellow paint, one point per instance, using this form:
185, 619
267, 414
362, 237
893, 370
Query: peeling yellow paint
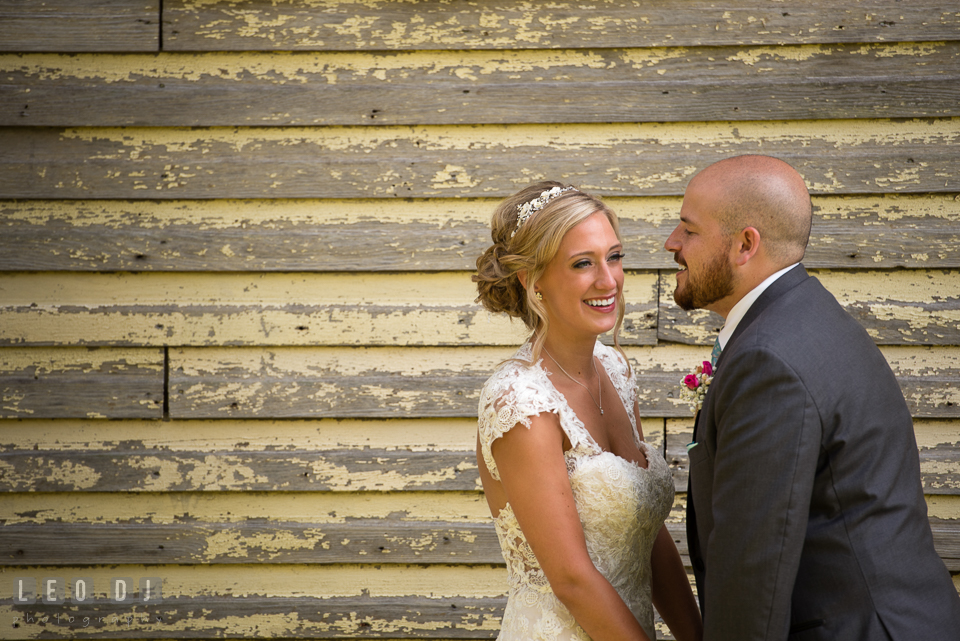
931, 433
224, 308
48, 360
439, 212
281, 580
65, 473
414, 435
923, 360
573, 137
880, 289
234, 544
916, 50
342, 67
234, 507
753, 56
943, 506
453, 176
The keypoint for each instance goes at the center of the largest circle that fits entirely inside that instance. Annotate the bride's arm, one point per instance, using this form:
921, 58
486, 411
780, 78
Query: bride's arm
533, 474
672, 595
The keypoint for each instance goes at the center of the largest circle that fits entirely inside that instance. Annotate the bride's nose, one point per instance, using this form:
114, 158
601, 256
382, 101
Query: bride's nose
605, 278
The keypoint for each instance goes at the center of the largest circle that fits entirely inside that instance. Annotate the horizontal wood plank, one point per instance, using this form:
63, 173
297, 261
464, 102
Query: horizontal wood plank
896, 308
371, 470
363, 382
81, 383
343, 382
364, 541
873, 232
359, 542
466, 87
237, 309
119, 470
835, 157
249, 616
460, 24
432, 382
80, 25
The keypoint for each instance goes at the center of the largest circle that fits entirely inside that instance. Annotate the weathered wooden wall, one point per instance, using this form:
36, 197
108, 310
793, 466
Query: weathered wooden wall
238, 344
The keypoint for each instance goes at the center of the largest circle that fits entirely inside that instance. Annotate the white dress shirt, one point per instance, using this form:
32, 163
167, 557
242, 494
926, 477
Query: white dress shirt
740, 309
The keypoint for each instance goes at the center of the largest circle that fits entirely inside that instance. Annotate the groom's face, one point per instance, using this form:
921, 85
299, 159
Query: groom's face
702, 249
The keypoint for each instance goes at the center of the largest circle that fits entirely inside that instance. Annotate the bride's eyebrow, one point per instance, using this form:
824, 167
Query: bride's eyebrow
590, 252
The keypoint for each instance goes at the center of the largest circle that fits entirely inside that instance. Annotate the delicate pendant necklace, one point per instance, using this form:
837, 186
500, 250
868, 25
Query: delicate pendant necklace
599, 382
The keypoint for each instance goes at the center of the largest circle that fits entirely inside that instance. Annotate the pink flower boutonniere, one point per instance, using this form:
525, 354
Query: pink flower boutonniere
694, 386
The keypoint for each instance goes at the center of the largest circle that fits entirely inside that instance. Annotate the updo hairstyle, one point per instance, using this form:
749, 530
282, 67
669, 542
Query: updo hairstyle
533, 246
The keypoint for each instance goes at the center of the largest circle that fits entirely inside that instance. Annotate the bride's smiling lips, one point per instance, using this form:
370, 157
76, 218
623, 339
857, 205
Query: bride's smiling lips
605, 304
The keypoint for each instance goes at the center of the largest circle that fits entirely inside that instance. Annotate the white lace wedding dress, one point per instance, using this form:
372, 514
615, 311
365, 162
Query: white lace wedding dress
622, 505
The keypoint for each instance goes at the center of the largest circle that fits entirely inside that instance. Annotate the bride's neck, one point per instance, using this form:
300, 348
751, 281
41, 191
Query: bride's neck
575, 359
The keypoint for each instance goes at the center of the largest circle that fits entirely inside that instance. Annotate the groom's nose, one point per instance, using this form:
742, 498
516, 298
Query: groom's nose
672, 243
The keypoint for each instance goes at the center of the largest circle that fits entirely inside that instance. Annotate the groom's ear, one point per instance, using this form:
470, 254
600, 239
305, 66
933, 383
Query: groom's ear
747, 245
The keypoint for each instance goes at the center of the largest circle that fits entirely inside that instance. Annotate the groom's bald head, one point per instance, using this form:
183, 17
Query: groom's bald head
764, 193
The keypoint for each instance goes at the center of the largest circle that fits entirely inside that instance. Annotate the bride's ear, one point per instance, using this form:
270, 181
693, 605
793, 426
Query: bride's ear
522, 275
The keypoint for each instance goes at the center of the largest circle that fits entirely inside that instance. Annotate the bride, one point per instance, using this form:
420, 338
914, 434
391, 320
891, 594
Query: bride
578, 498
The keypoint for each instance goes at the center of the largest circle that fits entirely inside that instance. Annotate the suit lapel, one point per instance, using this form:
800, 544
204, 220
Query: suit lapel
779, 287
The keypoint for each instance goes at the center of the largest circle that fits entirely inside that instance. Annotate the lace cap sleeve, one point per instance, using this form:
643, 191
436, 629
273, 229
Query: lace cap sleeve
510, 397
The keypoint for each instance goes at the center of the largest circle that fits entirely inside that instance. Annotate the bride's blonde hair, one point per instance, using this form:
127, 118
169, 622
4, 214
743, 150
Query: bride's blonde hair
531, 246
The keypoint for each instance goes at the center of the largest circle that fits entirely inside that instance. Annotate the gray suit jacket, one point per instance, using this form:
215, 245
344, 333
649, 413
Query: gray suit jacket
806, 517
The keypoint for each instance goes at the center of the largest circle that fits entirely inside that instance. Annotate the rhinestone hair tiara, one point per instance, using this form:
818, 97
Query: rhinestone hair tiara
531, 207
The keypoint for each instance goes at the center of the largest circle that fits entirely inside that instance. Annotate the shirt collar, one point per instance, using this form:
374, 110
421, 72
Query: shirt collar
743, 305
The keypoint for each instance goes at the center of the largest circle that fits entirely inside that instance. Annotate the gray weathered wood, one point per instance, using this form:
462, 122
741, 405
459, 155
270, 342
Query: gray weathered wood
287, 617
610, 160
946, 538
230, 384
268, 324
460, 24
80, 25
87, 384
136, 236
789, 83
941, 468
380, 541
888, 319
276, 383
881, 235
940, 474
146, 470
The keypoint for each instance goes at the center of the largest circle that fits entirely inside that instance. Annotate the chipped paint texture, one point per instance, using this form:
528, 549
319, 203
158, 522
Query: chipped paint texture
143, 309
199, 507
41, 360
944, 507
420, 435
489, 137
300, 580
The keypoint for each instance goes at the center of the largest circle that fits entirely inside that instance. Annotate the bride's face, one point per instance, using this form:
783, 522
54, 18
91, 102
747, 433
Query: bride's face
580, 285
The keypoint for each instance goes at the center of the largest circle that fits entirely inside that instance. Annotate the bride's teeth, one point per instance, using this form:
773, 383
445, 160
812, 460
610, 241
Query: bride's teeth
601, 303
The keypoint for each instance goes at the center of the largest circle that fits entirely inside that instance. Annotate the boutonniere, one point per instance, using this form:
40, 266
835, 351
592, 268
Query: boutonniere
694, 386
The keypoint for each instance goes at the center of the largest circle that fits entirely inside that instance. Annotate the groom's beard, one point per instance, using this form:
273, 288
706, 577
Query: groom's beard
714, 283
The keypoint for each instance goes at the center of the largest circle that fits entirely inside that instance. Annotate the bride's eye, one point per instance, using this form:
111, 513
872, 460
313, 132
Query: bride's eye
616, 257
581, 263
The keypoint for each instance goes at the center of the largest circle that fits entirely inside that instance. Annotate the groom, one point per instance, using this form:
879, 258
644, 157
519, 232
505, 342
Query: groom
806, 517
